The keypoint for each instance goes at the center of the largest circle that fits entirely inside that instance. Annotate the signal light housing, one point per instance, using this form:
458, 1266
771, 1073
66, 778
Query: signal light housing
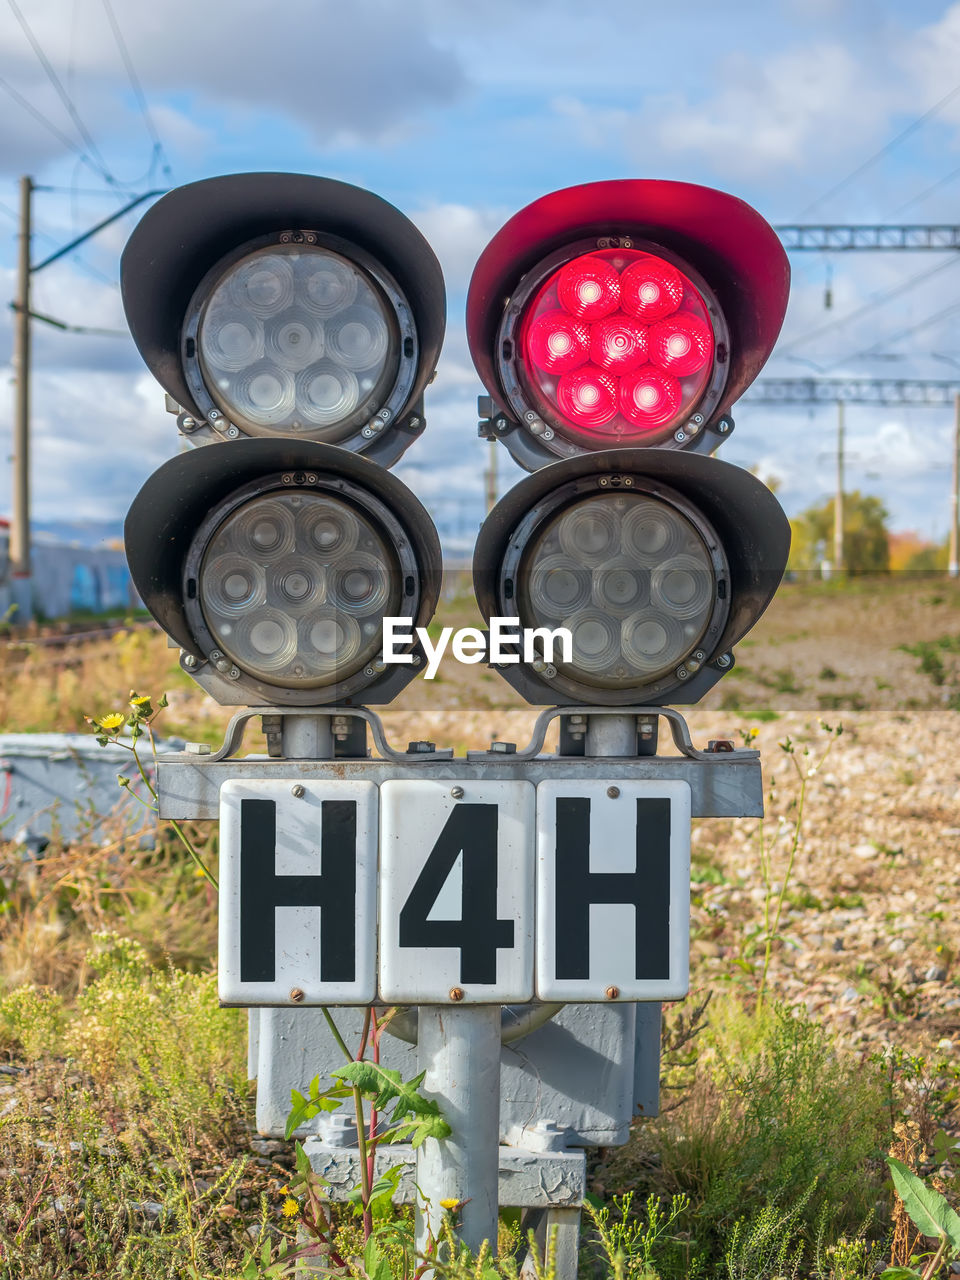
286, 305
626, 313
272, 564
657, 564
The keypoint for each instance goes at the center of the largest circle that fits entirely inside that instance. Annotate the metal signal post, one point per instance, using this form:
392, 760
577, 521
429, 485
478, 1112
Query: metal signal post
510, 895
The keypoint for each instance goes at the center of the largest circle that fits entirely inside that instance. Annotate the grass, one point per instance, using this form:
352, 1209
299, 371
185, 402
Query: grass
126, 1121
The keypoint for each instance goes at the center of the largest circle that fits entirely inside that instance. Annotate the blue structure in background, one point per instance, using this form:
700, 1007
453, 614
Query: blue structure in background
69, 578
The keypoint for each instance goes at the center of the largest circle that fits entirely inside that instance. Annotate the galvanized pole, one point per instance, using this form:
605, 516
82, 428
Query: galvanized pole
953, 568
491, 476
20, 525
838, 562
459, 1048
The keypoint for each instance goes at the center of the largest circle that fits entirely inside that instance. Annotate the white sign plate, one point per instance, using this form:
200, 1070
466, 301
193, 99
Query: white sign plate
613, 890
456, 892
298, 892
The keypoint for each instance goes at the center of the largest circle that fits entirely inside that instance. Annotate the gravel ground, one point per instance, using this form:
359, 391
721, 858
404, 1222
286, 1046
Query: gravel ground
869, 935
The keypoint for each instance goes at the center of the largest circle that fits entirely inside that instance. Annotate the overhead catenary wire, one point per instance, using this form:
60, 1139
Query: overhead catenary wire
159, 149
877, 301
64, 97
884, 150
48, 124
928, 191
892, 338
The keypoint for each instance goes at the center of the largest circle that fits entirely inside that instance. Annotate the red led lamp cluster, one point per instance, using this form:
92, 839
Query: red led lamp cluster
618, 343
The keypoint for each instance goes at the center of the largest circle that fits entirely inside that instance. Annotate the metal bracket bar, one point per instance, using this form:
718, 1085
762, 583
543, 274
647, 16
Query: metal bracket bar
680, 732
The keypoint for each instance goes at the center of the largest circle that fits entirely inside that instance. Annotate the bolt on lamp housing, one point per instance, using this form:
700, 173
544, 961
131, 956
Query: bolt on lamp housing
275, 571
285, 305
629, 313
655, 563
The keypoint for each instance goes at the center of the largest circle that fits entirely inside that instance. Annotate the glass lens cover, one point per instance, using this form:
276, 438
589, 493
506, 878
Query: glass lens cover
297, 340
294, 587
630, 577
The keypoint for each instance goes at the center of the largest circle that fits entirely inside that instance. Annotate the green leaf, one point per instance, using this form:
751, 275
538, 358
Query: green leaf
928, 1210
382, 1190
899, 1273
306, 1108
374, 1263
421, 1128
414, 1116
303, 1160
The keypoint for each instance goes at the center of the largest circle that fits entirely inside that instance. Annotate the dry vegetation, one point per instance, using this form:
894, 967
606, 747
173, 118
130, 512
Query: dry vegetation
110, 1163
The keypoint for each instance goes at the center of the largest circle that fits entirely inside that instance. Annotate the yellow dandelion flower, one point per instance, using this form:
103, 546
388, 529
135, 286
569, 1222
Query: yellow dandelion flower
290, 1208
111, 722
450, 1202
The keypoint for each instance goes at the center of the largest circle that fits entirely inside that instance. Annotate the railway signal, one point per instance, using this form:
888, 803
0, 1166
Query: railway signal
614, 325
294, 322
623, 314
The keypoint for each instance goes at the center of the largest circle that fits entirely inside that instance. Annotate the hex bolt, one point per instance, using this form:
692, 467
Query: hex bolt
457, 793
297, 995
456, 993
198, 748
612, 993
720, 744
613, 792
298, 790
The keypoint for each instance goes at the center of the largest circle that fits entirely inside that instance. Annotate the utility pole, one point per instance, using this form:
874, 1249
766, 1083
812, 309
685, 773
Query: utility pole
838, 562
491, 476
20, 525
953, 568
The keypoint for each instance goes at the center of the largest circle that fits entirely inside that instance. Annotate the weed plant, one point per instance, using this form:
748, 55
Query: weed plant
776, 1139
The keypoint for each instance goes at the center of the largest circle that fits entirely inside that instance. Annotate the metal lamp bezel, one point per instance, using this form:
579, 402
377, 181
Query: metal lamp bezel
545, 430
376, 512
357, 430
546, 508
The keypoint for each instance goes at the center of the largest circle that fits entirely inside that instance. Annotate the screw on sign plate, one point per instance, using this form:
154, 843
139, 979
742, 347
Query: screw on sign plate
612, 992
456, 993
297, 995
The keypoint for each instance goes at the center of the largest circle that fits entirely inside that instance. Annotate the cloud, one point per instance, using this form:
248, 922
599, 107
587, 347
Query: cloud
776, 113
342, 72
458, 235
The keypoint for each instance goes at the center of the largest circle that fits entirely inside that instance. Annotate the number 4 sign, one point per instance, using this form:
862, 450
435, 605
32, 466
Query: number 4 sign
456, 918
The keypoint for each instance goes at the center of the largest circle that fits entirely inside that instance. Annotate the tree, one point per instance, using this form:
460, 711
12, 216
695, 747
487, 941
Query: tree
865, 539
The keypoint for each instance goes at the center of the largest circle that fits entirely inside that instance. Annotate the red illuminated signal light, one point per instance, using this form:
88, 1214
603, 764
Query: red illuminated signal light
646, 330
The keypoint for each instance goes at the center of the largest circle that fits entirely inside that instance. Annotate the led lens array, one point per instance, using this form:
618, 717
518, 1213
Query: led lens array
294, 587
618, 345
297, 339
632, 580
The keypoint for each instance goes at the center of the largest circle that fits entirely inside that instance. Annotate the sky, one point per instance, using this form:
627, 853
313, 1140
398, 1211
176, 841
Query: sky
460, 113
